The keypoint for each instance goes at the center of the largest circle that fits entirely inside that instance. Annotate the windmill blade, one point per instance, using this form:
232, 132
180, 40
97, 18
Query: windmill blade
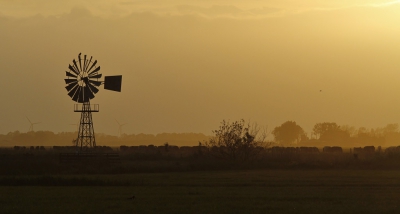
28, 120
80, 96
87, 93
69, 81
80, 64
76, 66
95, 70
117, 121
84, 63
88, 63
73, 92
94, 64
77, 93
95, 76
73, 69
96, 83
70, 75
71, 86
92, 88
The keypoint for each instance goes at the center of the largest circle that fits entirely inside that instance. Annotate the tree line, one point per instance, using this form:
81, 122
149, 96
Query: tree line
330, 133
236, 134
239, 141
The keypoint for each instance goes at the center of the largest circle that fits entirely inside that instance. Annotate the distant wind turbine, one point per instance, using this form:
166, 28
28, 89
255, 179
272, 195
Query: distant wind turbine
31, 126
120, 127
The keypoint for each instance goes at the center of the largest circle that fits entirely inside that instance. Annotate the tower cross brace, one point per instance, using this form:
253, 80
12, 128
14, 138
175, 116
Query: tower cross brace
86, 138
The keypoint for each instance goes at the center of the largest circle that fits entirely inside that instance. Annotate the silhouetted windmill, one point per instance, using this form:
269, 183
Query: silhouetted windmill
120, 127
31, 126
82, 84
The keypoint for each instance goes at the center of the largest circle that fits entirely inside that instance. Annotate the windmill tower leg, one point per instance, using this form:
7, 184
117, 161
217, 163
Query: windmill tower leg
86, 138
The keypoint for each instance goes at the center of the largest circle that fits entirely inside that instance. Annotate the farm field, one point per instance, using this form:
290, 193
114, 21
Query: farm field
253, 191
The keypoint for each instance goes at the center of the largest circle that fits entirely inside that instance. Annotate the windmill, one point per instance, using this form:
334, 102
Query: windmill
120, 127
31, 126
82, 84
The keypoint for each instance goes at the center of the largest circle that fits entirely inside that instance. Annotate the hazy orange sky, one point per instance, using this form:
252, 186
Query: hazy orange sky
187, 65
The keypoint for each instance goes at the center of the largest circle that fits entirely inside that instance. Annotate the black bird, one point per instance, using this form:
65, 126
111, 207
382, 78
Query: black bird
131, 198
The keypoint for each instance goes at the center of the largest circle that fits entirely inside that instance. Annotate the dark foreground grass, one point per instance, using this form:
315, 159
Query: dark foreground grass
313, 191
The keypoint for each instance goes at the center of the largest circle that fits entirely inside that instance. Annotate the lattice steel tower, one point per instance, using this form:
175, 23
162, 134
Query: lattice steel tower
82, 84
86, 137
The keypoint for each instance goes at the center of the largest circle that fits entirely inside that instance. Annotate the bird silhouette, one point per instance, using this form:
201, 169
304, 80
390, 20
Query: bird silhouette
131, 198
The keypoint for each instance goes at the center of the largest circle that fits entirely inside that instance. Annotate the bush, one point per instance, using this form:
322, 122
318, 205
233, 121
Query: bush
237, 141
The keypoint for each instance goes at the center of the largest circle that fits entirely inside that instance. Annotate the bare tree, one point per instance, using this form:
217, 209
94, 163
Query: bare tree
237, 141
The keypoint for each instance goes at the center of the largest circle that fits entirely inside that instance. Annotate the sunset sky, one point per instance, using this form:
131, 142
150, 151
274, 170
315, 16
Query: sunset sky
189, 64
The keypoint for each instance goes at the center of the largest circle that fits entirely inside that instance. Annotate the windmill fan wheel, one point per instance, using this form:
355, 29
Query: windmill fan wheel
82, 79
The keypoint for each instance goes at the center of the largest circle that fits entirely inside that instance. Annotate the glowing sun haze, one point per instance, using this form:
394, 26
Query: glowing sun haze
187, 65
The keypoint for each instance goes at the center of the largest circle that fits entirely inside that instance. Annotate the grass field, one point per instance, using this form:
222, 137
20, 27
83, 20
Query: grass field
273, 191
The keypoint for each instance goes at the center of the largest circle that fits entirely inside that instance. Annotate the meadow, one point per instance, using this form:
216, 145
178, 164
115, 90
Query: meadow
37, 182
232, 191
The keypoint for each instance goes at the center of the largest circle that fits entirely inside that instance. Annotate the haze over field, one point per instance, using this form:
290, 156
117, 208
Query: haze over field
187, 65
